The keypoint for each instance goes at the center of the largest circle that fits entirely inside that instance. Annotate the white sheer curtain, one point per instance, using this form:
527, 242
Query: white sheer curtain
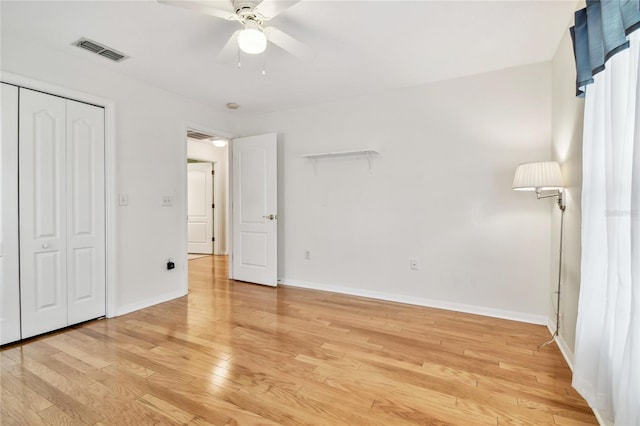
607, 349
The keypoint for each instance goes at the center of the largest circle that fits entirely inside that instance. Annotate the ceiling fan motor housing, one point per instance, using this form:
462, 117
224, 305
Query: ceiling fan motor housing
245, 8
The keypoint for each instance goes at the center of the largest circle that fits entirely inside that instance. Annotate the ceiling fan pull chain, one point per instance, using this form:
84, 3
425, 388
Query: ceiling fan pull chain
239, 64
264, 63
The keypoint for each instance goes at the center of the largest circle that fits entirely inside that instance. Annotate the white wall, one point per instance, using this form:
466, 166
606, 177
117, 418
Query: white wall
567, 121
440, 192
206, 151
150, 161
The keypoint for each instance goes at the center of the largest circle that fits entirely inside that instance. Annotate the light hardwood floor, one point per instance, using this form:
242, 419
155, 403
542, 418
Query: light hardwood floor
233, 353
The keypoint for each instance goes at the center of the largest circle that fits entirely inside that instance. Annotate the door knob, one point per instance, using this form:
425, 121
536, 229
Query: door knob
271, 217
45, 246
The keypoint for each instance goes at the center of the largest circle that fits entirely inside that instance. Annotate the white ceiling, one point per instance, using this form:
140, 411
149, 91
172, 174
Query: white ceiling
361, 46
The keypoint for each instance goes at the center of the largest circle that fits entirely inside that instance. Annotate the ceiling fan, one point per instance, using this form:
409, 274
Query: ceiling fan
252, 15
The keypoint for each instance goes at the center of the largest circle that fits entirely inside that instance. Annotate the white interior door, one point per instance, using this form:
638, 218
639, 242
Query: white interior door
43, 195
254, 209
85, 213
9, 263
200, 207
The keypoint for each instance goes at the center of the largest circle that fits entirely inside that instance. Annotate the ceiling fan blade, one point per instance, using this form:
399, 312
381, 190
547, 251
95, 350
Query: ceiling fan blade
289, 44
229, 51
202, 8
272, 8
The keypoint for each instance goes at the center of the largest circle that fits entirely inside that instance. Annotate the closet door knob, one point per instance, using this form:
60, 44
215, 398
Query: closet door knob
45, 245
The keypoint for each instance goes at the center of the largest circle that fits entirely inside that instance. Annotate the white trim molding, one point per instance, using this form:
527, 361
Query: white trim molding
122, 310
182, 137
419, 301
564, 348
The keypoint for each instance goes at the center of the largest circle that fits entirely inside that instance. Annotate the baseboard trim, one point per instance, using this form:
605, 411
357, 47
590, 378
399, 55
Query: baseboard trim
431, 303
600, 419
123, 310
564, 348
567, 354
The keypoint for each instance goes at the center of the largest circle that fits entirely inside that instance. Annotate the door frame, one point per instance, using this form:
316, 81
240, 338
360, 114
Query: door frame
184, 127
110, 189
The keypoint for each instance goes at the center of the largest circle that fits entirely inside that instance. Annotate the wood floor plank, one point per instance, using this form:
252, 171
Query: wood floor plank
55, 416
64, 402
61, 342
166, 409
17, 411
29, 398
232, 353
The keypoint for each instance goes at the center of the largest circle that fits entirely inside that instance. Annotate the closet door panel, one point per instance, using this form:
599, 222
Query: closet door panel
47, 264
9, 263
43, 200
85, 214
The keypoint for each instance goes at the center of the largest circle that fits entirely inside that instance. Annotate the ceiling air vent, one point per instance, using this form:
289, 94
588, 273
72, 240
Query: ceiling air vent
197, 135
100, 49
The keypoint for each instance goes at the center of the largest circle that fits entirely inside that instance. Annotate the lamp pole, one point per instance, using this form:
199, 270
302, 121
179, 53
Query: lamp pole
562, 205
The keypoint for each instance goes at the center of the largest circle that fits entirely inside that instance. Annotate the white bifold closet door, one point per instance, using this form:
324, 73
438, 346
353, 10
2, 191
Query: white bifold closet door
62, 223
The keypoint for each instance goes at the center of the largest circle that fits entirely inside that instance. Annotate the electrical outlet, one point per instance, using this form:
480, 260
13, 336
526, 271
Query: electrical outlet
413, 264
307, 255
167, 200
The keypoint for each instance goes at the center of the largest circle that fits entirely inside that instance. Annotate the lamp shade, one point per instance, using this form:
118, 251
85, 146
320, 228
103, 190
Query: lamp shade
540, 176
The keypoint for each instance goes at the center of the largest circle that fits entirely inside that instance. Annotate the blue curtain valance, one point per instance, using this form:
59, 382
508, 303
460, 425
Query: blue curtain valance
600, 32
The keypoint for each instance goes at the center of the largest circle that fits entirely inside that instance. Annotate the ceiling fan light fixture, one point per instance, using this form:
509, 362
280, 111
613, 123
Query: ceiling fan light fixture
251, 39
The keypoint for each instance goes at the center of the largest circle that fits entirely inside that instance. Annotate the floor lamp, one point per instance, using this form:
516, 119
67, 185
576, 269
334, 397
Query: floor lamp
539, 177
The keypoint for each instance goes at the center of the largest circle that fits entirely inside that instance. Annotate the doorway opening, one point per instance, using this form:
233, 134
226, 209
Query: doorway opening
207, 194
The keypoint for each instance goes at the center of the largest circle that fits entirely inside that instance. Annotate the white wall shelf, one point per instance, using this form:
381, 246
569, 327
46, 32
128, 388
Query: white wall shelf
368, 153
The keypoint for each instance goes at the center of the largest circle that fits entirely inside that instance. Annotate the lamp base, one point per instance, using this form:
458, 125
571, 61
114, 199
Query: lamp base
550, 341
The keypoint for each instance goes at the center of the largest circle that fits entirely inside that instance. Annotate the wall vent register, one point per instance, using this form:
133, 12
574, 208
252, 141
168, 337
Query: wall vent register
100, 49
198, 135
